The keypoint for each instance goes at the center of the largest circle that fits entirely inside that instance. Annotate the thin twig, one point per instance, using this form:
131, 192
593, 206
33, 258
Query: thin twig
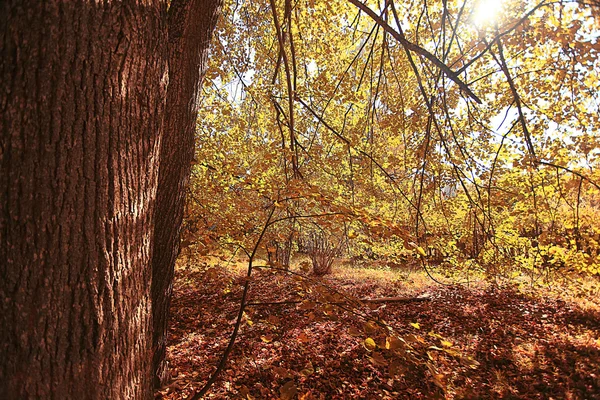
379, 300
238, 322
399, 36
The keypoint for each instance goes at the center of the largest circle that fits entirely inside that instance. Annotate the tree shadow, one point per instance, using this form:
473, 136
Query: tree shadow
528, 348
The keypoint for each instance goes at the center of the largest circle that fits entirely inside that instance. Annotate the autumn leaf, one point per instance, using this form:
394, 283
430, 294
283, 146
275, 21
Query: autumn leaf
307, 305
288, 391
414, 339
303, 338
378, 359
369, 327
393, 343
267, 338
245, 392
469, 362
369, 344
308, 370
282, 372
352, 331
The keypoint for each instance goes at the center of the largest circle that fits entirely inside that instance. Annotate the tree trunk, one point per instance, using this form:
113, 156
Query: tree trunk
82, 96
191, 23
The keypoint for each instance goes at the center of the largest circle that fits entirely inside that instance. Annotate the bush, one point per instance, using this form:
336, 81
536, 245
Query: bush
322, 252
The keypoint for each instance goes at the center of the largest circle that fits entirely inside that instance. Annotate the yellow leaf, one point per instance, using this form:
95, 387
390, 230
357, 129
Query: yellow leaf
369, 327
267, 338
369, 344
307, 305
306, 396
415, 325
469, 362
415, 339
436, 335
453, 353
438, 379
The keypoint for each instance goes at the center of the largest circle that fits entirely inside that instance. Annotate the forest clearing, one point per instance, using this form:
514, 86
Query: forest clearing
535, 341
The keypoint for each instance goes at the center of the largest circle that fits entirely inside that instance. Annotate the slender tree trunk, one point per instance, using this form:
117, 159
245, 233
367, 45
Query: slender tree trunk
82, 96
191, 23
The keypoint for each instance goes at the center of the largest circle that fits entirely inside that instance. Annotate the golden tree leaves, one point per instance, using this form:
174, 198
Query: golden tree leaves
356, 138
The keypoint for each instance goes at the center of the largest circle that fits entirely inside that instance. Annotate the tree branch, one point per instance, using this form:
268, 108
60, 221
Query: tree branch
399, 36
425, 297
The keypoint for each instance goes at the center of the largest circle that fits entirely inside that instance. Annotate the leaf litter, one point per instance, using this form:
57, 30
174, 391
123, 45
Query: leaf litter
491, 343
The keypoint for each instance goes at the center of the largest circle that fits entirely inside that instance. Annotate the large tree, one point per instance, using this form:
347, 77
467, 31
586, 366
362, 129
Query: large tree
98, 105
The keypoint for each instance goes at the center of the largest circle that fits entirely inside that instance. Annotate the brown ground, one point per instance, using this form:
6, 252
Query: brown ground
528, 347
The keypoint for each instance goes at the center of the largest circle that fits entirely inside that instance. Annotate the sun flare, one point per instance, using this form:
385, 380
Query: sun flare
487, 11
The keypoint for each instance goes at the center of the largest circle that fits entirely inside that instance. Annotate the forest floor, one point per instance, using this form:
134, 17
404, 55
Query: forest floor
530, 342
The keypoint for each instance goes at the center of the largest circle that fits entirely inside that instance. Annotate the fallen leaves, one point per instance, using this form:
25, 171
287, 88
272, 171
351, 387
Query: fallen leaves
369, 344
267, 338
288, 391
473, 337
308, 370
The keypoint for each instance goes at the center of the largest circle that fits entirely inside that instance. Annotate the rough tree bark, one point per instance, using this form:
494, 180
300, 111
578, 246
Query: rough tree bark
83, 90
82, 96
191, 24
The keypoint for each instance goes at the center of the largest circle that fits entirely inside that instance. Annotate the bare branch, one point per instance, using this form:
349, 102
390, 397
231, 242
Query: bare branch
399, 36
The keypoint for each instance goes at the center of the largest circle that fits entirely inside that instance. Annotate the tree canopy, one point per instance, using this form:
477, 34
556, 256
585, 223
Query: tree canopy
463, 130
